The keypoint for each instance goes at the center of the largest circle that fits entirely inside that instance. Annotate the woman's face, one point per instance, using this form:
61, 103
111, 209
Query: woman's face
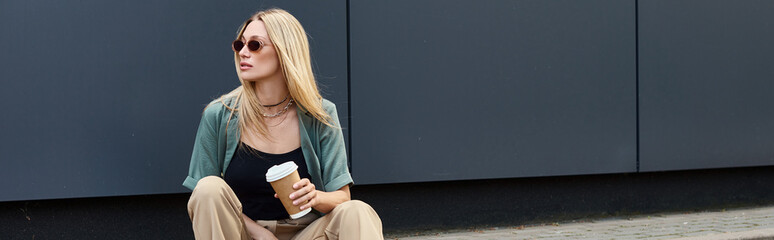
260, 64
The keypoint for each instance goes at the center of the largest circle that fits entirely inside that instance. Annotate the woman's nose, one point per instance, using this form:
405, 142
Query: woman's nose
244, 52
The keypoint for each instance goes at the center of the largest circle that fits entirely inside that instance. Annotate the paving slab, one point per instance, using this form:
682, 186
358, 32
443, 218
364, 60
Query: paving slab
744, 223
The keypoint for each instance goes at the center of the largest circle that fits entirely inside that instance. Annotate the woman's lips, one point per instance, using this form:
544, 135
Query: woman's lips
244, 66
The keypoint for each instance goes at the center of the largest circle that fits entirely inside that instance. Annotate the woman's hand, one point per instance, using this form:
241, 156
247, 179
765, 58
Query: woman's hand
256, 231
305, 192
319, 200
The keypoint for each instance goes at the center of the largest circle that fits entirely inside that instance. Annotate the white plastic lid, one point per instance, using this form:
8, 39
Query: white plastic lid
278, 172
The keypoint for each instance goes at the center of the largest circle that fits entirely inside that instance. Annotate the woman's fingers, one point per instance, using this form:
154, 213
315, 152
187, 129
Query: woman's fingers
303, 194
303, 187
312, 200
300, 184
306, 194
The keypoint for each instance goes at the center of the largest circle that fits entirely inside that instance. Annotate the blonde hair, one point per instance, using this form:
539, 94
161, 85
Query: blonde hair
289, 40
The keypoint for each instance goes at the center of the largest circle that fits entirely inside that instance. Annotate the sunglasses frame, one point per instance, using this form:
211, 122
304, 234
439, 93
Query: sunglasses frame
252, 45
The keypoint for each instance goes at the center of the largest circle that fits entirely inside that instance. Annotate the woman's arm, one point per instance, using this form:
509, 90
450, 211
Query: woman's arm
319, 200
205, 160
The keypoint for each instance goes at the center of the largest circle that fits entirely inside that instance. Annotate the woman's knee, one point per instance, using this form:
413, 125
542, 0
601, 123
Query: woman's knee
354, 206
208, 188
359, 218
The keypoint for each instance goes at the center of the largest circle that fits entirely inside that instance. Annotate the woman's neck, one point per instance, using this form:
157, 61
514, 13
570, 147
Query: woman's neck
271, 91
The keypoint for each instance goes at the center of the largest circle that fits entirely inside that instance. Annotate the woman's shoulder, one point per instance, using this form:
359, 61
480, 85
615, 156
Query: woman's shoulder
218, 107
328, 106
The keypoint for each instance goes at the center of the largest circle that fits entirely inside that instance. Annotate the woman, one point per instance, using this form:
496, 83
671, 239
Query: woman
277, 115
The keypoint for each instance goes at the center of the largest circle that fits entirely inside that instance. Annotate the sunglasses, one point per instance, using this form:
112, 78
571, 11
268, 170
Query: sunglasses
252, 45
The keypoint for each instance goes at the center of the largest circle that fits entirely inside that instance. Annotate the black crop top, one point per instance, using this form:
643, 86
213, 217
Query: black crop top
246, 175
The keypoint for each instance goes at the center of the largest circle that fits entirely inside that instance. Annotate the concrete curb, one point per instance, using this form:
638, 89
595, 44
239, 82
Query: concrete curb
760, 234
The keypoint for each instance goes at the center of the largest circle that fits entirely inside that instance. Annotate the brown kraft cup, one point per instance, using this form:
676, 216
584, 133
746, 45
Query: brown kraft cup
282, 177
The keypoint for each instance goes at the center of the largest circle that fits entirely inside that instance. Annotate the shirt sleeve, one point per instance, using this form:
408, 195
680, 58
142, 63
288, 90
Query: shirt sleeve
334, 154
204, 159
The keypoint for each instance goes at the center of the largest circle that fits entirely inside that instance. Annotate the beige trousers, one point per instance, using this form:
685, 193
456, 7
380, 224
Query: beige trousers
216, 213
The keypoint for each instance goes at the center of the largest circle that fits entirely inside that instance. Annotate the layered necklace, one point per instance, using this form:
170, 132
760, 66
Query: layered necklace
281, 111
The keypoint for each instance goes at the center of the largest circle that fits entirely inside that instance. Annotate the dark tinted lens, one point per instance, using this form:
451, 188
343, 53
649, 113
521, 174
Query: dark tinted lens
253, 45
237, 45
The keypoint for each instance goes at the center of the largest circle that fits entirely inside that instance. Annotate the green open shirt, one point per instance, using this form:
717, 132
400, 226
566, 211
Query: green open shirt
322, 145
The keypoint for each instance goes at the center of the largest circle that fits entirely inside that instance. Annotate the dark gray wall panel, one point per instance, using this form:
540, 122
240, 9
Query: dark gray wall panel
103, 97
450, 90
706, 84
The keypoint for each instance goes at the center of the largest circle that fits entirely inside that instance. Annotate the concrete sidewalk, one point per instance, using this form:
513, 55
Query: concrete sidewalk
746, 223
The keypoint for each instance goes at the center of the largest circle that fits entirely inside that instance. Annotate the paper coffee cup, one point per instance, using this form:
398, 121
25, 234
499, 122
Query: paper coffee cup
282, 177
